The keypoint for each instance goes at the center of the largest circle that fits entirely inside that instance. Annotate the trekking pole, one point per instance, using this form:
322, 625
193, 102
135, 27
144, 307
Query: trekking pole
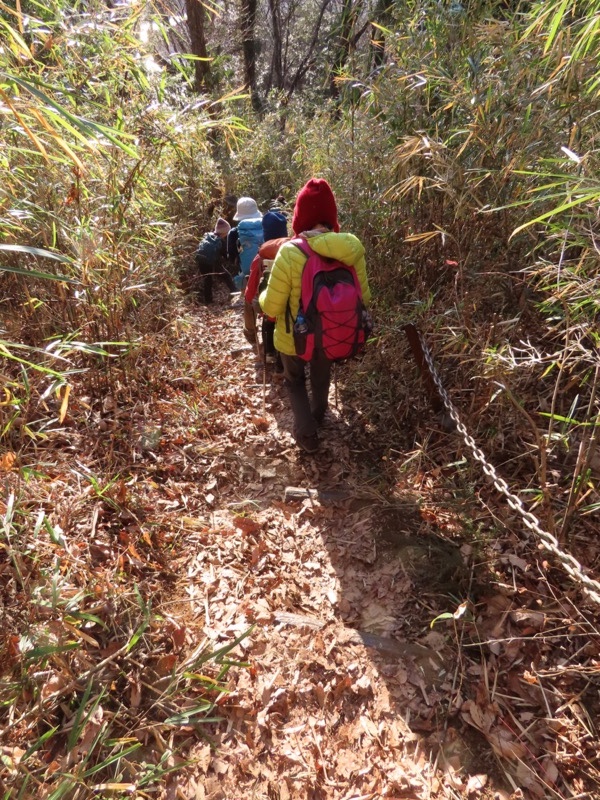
335, 389
264, 366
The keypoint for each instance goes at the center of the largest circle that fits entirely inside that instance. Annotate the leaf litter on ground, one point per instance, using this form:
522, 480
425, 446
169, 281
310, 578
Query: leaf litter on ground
173, 624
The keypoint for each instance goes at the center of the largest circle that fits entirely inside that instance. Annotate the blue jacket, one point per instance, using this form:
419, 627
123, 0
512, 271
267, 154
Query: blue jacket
250, 238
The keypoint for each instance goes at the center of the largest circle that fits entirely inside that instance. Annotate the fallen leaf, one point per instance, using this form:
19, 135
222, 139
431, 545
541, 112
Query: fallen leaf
369, 726
220, 767
91, 730
135, 693
7, 461
165, 664
203, 757
341, 687
476, 783
550, 771
52, 767
362, 685
54, 684
377, 619
11, 757
247, 525
65, 403
506, 747
177, 634
535, 620
478, 717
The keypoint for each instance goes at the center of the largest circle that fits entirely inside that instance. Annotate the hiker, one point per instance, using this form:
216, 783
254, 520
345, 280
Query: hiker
244, 240
278, 204
274, 225
210, 255
315, 224
229, 208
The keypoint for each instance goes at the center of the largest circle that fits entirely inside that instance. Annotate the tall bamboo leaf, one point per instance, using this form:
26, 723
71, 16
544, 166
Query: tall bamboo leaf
86, 126
33, 273
555, 24
36, 251
591, 197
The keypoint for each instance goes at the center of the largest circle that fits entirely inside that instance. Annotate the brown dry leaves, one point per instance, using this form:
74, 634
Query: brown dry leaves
196, 520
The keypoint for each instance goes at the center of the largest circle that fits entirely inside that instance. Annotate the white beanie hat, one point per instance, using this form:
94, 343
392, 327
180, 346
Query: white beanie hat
246, 209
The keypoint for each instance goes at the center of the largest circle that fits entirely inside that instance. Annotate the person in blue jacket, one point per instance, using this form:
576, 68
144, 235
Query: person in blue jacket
244, 240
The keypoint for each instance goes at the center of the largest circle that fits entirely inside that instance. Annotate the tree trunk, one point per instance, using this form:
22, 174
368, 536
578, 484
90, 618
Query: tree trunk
347, 40
343, 46
195, 20
248, 25
307, 62
275, 78
381, 15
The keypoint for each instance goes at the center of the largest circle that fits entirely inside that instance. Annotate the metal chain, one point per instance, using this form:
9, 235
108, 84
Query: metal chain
571, 566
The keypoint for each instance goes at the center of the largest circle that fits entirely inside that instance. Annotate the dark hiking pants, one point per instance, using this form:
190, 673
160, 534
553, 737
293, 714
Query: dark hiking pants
268, 332
267, 329
308, 414
208, 272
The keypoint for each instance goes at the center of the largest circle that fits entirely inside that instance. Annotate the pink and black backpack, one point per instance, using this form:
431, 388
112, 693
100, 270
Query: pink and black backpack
332, 316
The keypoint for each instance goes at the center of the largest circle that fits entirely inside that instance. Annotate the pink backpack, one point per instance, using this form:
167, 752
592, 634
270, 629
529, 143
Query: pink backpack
332, 316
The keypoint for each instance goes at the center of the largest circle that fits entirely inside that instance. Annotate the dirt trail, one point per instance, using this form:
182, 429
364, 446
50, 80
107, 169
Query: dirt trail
321, 711
169, 486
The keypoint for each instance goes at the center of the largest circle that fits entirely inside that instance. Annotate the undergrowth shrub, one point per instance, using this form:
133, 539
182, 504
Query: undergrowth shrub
467, 167
108, 176
106, 189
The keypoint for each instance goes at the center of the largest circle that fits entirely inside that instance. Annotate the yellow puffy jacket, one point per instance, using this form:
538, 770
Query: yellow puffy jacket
285, 281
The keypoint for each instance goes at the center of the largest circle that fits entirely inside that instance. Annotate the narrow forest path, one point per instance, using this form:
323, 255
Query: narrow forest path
321, 711
169, 533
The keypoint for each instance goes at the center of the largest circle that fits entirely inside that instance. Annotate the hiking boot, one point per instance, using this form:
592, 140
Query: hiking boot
319, 416
310, 444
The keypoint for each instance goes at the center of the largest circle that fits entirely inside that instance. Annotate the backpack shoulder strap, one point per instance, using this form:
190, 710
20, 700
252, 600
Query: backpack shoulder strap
303, 245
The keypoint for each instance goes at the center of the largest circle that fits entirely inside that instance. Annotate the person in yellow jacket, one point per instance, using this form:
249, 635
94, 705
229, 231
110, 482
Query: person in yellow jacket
315, 219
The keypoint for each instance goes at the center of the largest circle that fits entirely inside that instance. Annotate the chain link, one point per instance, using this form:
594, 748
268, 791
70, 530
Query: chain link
571, 566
